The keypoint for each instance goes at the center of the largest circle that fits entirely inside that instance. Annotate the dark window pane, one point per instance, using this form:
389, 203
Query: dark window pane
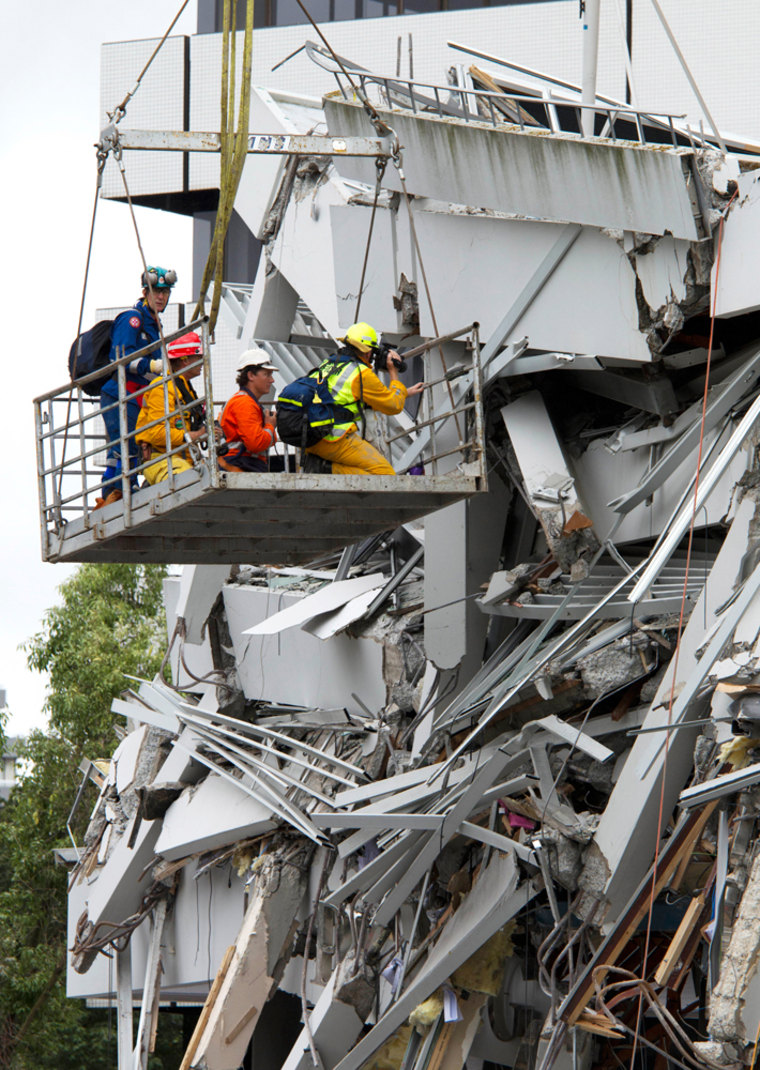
342, 10
419, 7
376, 9
288, 12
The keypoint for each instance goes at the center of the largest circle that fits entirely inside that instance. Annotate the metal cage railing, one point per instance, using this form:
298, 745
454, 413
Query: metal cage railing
70, 437
503, 108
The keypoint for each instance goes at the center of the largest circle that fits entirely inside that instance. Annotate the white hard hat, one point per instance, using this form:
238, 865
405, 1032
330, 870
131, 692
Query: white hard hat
254, 358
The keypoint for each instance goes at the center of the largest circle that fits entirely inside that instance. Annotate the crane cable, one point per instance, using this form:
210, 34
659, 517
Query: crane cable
380, 164
121, 109
102, 156
383, 129
234, 146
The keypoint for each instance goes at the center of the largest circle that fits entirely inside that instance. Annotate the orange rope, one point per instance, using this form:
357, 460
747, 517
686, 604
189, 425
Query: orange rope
676, 655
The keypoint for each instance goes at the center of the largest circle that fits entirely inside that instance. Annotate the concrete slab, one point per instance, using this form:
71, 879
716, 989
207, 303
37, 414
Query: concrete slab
558, 177
209, 815
329, 598
263, 940
734, 289
275, 665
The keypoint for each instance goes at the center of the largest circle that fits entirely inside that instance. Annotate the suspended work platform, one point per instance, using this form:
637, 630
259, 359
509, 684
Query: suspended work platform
207, 515
253, 518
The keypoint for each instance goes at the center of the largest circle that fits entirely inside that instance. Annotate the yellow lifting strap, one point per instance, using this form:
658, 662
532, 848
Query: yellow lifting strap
234, 145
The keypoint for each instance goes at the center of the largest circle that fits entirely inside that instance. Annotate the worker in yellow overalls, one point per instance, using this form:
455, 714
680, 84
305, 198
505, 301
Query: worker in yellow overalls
185, 426
354, 385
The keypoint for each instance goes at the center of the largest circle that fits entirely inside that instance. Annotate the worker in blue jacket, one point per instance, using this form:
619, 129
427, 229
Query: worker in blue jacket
132, 330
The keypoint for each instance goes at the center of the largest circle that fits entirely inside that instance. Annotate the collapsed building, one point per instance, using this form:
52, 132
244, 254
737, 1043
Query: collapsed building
478, 786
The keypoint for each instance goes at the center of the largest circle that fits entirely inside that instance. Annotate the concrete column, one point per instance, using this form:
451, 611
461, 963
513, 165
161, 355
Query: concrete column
590, 54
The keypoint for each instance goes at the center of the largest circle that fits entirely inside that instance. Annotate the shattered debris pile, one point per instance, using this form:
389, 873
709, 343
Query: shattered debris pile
425, 867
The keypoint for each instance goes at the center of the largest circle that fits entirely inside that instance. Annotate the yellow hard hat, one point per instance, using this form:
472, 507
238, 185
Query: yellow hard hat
361, 336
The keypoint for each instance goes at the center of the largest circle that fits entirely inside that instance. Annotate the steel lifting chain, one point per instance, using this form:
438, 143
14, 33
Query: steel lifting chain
381, 162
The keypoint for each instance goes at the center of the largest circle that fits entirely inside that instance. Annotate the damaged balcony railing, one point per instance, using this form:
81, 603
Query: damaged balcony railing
69, 440
500, 108
465, 412
201, 514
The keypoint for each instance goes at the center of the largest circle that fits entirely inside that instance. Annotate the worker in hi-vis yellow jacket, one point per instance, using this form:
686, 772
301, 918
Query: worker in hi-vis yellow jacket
355, 386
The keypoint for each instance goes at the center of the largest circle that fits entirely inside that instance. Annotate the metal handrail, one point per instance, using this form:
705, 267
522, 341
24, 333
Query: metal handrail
52, 395
391, 84
68, 480
69, 439
468, 404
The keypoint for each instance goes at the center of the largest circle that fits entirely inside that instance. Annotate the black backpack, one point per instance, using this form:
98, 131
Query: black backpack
307, 411
89, 352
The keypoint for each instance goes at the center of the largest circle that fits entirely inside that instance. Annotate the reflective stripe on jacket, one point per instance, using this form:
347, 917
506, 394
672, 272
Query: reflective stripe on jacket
243, 420
133, 329
355, 386
340, 384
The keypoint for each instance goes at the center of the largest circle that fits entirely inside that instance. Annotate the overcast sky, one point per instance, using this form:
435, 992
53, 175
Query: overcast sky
49, 122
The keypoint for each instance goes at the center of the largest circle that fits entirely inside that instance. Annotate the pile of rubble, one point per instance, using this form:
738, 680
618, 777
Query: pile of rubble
483, 792
478, 877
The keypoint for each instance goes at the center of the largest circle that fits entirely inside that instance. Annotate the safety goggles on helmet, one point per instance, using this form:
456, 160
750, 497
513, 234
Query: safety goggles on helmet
158, 278
188, 345
361, 336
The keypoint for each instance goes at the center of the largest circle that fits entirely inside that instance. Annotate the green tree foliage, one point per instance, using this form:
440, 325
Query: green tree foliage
108, 624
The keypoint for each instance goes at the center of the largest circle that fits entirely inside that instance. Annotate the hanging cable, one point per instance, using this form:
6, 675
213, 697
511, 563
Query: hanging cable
415, 239
146, 273
120, 110
676, 655
102, 157
380, 164
383, 129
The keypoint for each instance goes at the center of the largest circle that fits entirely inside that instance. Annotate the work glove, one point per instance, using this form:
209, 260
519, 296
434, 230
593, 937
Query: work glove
157, 366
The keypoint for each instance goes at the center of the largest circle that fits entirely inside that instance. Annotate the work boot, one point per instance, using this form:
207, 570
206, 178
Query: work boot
314, 465
114, 496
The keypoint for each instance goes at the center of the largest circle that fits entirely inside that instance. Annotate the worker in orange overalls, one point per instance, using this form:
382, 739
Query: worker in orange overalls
248, 428
355, 386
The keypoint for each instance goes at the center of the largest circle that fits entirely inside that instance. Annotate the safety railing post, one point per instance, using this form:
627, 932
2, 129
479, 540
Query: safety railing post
82, 454
477, 397
430, 413
41, 491
213, 467
56, 500
126, 482
168, 420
